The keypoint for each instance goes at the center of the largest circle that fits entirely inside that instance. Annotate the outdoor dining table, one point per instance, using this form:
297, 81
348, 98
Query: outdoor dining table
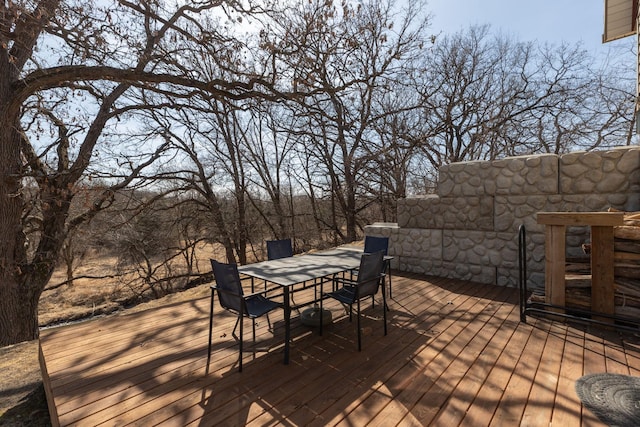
291, 271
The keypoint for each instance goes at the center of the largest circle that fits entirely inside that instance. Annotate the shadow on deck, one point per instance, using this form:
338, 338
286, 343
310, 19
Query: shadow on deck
456, 354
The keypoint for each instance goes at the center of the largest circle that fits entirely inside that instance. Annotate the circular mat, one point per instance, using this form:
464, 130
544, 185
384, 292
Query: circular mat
613, 398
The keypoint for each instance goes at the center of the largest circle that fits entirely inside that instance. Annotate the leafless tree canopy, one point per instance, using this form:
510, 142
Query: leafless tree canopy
230, 122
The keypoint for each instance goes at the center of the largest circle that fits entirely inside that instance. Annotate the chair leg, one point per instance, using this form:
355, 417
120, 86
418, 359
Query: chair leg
384, 284
233, 333
253, 325
359, 339
387, 271
270, 328
210, 328
240, 344
384, 308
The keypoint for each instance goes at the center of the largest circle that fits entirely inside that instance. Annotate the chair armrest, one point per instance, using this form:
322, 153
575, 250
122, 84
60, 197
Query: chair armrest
245, 296
263, 292
354, 282
345, 281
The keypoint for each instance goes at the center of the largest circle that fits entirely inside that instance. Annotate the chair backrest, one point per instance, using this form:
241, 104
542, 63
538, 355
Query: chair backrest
370, 273
374, 244
277, 249
229, 286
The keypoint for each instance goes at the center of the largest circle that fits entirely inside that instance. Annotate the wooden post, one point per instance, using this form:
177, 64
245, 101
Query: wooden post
602, 291
554, 262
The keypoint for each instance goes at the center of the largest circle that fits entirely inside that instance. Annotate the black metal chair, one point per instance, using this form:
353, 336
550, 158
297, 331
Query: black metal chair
232, 298
370, 277
277, 249
374, 244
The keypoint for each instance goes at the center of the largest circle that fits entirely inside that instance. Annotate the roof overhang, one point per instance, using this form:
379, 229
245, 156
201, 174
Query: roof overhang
619, 19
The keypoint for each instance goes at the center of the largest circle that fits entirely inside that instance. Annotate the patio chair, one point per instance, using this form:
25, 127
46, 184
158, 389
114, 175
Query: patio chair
232, 298
374, 244
370, 276
277, 249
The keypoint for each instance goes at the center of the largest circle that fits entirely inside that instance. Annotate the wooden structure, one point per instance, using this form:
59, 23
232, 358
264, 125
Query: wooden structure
456, 354
602, 272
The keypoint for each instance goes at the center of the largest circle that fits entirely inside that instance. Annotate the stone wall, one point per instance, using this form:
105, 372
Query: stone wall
468, 230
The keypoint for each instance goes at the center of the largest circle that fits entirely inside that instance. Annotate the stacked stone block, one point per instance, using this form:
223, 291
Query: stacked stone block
468, 230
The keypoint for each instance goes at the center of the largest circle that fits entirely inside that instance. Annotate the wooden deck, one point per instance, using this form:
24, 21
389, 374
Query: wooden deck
456, 354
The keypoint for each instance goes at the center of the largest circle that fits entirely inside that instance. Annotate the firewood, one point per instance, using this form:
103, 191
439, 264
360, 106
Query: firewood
577, 299
626, 256
632, 272
577, 281
624, 300
578, 265
626, 246
628, 312
537, 298
629, 215
629, 282
626, 232
630, 287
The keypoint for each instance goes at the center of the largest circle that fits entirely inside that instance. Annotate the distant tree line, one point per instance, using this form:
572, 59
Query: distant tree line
148, 127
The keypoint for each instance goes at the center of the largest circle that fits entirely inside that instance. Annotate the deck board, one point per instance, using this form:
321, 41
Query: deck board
455, 354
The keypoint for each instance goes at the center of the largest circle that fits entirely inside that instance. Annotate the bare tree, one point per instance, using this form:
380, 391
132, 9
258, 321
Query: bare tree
71, 73
349, 57
269, 149
487, 96
211, 170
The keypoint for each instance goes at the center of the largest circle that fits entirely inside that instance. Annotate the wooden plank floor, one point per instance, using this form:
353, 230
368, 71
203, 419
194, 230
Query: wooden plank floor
455, 354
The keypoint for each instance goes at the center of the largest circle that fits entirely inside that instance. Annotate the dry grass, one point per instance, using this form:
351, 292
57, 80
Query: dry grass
90, 297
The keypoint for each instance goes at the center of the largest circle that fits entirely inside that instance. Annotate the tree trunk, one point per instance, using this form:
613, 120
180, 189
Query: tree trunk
18, 298
18, 313
351, 211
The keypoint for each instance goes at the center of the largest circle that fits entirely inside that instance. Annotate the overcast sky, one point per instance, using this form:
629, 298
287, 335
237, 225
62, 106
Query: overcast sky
551, 21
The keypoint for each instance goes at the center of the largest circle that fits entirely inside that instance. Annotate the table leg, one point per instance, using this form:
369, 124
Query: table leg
287, 324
